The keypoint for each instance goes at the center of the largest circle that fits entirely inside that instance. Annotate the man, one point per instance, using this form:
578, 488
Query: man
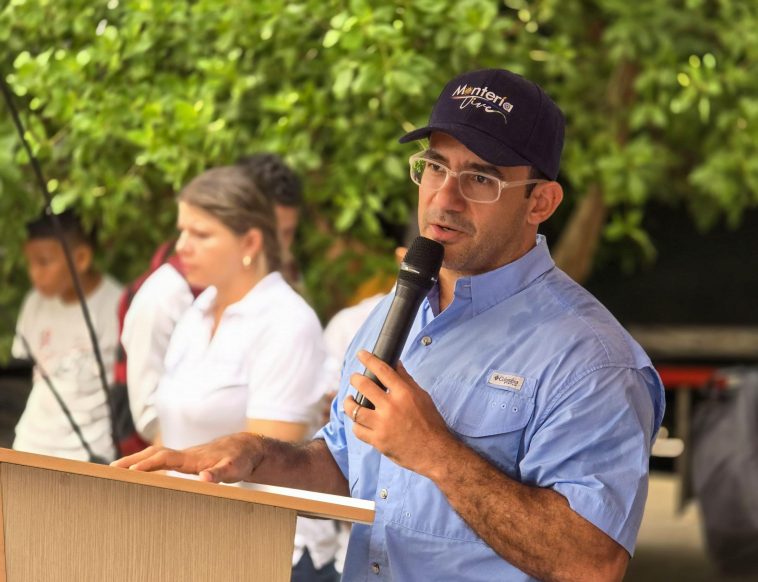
284, 188
513, 441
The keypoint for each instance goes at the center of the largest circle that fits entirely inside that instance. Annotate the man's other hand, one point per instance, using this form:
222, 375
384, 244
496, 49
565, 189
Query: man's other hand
226, 460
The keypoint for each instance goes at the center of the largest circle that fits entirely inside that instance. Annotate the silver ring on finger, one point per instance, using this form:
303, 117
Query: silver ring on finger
355, 412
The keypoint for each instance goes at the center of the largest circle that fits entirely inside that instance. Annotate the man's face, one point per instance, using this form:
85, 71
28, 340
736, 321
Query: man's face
477, 237
47, 266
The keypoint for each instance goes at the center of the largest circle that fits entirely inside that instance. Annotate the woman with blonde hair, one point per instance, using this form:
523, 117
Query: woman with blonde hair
248, 352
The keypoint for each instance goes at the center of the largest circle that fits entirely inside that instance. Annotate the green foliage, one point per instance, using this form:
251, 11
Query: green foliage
126, 100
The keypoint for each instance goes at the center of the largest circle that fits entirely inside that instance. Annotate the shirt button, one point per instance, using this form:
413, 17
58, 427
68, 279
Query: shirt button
375, 568
426, 340
383, 493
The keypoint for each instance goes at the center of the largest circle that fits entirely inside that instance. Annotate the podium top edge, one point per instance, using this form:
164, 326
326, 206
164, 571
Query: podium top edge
307, 503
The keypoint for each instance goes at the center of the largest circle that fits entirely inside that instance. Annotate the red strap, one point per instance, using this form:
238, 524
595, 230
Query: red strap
131, 444
162, 254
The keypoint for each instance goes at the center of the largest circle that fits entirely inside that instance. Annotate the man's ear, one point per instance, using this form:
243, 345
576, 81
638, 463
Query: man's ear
82, 255
544, 200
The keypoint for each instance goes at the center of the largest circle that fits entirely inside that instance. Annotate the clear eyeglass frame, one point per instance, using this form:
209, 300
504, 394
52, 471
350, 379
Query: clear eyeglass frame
502, 184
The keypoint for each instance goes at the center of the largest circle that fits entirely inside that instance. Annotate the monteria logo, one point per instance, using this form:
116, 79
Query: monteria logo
482, 98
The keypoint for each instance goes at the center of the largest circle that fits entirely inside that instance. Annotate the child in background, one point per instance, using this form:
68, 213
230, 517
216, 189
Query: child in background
52, 332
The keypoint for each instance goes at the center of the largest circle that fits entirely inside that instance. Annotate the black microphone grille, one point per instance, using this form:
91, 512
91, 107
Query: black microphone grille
422, 262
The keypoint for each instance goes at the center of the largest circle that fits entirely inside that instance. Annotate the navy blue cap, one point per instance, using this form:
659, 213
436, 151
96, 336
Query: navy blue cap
502, 117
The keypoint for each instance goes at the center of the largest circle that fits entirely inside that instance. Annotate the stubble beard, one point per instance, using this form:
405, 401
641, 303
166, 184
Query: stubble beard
477, 256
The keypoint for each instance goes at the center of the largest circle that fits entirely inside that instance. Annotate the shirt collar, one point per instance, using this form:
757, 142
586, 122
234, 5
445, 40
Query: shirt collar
493, 287
269, 283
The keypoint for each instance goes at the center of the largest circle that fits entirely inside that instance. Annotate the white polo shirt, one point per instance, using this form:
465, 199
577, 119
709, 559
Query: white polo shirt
263, 362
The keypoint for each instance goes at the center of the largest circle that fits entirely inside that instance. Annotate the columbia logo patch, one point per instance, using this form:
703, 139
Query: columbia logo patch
503, 380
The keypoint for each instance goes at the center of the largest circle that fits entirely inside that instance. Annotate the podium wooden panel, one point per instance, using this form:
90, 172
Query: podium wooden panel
71, 521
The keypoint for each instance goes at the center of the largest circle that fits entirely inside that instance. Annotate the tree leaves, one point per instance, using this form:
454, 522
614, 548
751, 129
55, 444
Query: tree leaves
125, 101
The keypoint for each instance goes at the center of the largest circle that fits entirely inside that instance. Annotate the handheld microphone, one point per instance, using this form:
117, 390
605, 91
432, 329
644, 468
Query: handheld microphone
418, 274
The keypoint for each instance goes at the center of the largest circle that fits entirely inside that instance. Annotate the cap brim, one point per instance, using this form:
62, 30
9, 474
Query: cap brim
489, 149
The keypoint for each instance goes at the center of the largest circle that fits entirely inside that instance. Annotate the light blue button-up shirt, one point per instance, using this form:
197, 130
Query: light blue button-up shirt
532, 372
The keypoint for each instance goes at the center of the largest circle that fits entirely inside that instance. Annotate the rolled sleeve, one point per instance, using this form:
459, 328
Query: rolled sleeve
593, 448
333, 434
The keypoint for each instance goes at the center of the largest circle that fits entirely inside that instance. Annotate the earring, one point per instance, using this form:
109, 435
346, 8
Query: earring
247, 261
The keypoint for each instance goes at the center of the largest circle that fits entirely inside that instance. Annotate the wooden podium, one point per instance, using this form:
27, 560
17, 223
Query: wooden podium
70, 521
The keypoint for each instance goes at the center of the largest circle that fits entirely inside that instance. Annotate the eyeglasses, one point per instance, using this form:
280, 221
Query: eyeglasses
473, 186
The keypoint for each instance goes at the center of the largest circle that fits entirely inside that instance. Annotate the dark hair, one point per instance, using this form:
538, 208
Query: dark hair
44, 227
534, 174
232, 197
274, 178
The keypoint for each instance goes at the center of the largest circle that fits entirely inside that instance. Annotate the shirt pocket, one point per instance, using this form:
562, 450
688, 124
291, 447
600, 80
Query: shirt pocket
490, 420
